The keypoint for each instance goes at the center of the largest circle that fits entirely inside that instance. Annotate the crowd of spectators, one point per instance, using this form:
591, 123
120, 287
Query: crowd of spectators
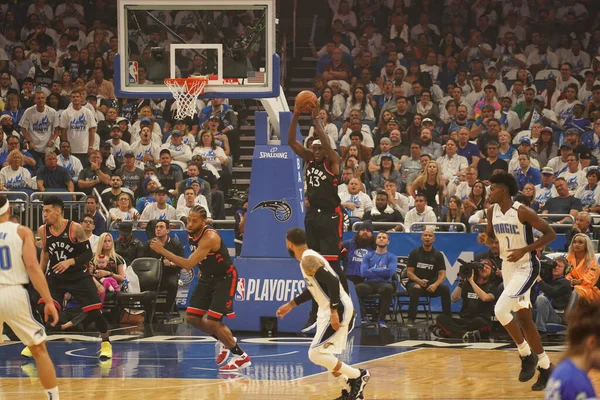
63, 128
435, 98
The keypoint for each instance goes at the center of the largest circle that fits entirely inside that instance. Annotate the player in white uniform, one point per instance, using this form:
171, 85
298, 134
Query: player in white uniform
334, 316
18, 261
512, 224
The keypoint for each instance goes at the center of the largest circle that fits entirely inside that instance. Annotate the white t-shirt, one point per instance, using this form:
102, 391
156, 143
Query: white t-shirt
589, 198
15, 180
72, 164
183, 210
77, 124
211, 156
153, 212
181, 153
130, 215
117, 150
140, 150
40, 125
575, 180
564, 110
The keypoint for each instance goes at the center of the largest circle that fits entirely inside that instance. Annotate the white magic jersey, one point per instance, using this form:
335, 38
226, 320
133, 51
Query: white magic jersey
12, 268
318, 293
510, 232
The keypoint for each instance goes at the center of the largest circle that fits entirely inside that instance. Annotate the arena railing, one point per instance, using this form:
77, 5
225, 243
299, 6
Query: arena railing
140, 225
102, 207
356, 225
438, 224
19, 209
219, 223
73, 210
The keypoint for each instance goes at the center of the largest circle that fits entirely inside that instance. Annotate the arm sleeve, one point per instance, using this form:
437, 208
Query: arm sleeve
85, 253
332, 284
303, 297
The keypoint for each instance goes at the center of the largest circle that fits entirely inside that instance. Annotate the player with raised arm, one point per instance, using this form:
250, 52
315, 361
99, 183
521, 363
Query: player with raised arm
66, 252
18, 265
324, 220
335, 314
213, 296
512, 224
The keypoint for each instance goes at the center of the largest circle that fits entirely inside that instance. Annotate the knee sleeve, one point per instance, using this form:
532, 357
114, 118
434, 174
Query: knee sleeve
503, 309
328, 361
99, 320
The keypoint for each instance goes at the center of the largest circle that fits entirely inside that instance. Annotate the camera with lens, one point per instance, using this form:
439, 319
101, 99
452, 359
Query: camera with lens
238, 198
467, 268
546, 267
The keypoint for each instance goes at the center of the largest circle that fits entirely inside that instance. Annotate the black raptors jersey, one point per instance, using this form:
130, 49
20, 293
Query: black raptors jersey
61, 247
217, 263
321, 187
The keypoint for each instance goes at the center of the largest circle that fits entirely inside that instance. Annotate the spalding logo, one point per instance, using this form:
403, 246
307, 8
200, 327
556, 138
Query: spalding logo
281, 209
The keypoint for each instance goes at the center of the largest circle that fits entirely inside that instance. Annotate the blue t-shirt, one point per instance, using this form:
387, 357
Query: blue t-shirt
568, 382
355, 257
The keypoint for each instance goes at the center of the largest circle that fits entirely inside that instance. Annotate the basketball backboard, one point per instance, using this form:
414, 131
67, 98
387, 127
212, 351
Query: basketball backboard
233, 41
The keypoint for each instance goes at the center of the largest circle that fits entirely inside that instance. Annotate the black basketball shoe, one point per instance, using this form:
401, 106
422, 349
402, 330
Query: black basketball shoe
528, 364
542, 378
357, 386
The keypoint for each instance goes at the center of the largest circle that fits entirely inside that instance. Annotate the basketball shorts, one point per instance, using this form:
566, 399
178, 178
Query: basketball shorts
518, 279
83, 290
328, 340
324, 231
15, 311
213, 295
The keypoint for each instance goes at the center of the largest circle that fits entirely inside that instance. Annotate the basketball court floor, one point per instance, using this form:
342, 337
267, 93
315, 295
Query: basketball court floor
174, 363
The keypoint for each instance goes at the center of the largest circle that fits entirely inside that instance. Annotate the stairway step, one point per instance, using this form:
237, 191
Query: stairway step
242, 181
245, 158
241, 169
247, 139
301, 80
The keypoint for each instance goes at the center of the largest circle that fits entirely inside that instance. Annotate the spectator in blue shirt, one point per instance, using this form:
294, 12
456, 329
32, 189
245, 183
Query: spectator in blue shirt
378, 267
526, 173
354, 250
570, 379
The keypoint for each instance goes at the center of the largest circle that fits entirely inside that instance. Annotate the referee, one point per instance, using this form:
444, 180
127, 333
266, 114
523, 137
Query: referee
323, 221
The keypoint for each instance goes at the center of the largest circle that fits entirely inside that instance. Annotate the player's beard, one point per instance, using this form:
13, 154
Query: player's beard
291, 253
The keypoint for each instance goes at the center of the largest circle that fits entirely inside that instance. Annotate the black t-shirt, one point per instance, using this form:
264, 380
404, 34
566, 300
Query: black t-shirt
474, 307
427, 264
558, 205
87, 174
485, 169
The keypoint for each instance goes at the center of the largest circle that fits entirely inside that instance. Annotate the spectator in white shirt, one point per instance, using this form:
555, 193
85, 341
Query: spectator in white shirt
356, 202
546, 189
450, 163
179, 151
574, 176
420, 213
396, 200
160, 209
187, 200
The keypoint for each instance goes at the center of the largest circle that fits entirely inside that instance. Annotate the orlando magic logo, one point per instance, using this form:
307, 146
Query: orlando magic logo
280, 208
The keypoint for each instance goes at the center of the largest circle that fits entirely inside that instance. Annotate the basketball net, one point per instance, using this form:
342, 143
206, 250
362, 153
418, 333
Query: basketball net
185, 92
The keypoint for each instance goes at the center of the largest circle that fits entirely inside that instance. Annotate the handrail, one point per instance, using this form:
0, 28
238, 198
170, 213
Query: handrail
440, 224
294, 17
35, 199
356, 225
544, 216
284, 60
103, 210
114, 225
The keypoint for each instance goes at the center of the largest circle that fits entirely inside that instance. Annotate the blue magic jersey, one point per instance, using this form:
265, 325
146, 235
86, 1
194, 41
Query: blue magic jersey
568, 382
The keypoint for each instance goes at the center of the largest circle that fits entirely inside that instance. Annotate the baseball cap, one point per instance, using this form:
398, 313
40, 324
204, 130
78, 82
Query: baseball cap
572, 131
546, 129
585, 155
161, 189
145, 120
121, 119
425, 120
105, 145
128, 153
125, 228
367, 225
567, 145
525, 140
492, 66
539, 98
176, 132
588, 72
116, 128
317, 142
386, 155
548, 171
214, 116
385, 140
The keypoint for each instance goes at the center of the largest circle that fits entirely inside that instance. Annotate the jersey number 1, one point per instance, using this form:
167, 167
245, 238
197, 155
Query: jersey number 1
507, 243
5, 262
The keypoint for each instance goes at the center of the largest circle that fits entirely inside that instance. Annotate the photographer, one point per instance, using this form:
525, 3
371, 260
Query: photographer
493, 253
478, 294
555, 291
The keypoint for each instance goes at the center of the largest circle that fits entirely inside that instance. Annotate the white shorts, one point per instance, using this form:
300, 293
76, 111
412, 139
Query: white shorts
330, 341
518, 280
15, 311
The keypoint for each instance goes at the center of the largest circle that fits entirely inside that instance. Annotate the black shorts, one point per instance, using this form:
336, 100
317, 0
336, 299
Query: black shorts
83, 290
324, 232
213, 295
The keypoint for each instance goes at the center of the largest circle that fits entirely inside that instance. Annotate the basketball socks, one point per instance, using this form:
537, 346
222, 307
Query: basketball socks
543, 361
350, 372
342, 380
52, 394
524, 349
236, 350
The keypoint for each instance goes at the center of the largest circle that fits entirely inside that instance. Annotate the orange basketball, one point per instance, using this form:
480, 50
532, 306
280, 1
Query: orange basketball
306, 101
